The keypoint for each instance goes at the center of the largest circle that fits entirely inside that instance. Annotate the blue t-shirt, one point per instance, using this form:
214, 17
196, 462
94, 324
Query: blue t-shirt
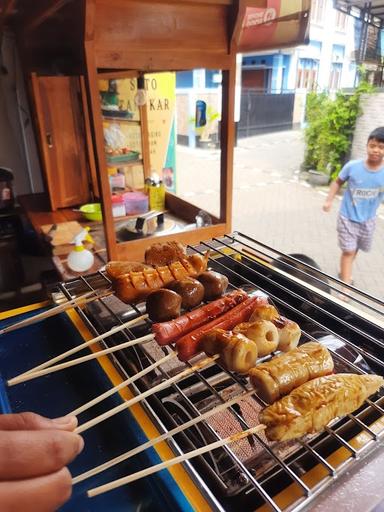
364, 193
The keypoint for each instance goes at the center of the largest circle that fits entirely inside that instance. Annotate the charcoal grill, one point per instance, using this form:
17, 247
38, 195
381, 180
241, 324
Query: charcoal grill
254, 474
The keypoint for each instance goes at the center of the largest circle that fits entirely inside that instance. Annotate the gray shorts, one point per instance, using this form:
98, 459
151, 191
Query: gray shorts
355, 235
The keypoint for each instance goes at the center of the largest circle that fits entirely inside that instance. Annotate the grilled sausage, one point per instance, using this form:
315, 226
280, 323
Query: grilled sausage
280, 375
168, 332
115, 269
189, 345
237, 352
311, 406
135, 286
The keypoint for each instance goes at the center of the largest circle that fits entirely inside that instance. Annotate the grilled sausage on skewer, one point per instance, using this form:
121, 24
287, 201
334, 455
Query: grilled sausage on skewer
283, 373
263, 333
168, 332
133, 287
189, 345
237, 352
311, 406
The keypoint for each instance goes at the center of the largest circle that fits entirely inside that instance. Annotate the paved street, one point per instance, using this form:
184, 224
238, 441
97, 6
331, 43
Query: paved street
273, 203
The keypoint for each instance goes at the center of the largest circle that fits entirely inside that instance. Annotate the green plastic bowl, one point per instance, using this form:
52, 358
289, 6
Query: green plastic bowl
91, 211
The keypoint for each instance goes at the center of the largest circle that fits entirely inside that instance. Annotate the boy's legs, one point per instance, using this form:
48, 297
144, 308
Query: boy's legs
352, 237
346, 261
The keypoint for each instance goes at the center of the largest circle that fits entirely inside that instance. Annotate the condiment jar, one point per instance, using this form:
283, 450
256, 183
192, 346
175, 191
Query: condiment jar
118, 205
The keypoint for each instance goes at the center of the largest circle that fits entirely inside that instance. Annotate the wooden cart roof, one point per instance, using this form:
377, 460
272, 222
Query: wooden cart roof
150, 34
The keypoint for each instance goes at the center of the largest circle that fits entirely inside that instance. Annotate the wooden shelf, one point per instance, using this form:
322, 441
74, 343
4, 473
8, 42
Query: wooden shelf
122, 120
128, 163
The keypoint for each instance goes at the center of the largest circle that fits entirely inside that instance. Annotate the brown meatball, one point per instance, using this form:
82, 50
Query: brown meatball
214, 284
190, 290
163, 305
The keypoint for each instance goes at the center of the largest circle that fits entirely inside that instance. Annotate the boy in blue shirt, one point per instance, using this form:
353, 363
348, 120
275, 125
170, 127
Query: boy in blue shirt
363, 195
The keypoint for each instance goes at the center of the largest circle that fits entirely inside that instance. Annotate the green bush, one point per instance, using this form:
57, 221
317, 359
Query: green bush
330, 127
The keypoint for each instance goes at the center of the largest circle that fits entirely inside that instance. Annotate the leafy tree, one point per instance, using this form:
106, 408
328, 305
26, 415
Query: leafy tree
330, 127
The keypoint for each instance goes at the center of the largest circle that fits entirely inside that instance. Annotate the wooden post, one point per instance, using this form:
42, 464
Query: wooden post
97, 129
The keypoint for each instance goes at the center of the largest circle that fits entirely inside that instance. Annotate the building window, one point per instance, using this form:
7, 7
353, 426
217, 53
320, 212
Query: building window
317, 11
335, 76
338, 52
307, 74
184, 79
213, 78
341, 21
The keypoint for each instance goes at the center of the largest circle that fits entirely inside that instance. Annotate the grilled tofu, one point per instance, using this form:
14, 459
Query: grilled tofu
311, 406
280, 375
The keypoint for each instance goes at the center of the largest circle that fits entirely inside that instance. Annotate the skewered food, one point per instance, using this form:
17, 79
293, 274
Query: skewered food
266, 312
165, 253
280, 375
190, 344
311, 406
117, 268
289, 333
135, 286
190, 290
214, 284
168, 332
163, 305
237, 352
263, 333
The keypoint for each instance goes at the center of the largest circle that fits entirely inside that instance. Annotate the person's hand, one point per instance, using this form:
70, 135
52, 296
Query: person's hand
327, 206
34, 452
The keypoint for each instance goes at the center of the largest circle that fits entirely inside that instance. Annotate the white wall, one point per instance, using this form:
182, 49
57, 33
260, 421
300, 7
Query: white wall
372, 106
329, 35
17, 143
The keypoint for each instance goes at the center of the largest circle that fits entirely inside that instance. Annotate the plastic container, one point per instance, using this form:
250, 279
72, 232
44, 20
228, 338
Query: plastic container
117, 180
135, 203
118, 206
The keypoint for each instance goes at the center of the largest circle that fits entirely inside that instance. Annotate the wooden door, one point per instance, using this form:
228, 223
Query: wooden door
62, 137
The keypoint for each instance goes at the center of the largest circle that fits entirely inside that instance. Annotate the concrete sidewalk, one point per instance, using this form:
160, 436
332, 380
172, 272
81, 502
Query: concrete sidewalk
275, 205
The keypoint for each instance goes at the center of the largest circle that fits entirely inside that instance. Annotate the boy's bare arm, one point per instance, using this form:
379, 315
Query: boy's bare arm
333, 190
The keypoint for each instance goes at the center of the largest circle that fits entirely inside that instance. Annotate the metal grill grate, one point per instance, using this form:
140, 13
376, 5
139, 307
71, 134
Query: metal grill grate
254, 472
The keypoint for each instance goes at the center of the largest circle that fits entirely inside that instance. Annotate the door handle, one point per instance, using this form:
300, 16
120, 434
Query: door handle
49, 140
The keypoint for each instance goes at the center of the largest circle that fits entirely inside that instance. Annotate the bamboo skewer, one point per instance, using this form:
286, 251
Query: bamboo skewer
141, 396
176, 460
53, 311
79, 360
114, 330
152, 442
124, 384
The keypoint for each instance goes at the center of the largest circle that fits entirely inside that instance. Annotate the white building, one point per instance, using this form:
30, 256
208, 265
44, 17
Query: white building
326, 63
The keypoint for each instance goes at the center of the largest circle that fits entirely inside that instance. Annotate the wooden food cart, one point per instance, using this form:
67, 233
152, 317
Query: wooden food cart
92, 40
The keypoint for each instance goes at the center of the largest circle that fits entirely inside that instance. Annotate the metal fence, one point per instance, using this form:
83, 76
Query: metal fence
264, 112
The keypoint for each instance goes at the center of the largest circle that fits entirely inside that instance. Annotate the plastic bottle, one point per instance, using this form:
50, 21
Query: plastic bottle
80, 259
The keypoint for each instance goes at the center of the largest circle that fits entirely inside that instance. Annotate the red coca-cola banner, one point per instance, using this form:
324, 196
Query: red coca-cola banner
280, 24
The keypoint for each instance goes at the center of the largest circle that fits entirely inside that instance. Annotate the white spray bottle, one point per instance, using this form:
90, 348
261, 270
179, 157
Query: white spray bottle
80, 259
